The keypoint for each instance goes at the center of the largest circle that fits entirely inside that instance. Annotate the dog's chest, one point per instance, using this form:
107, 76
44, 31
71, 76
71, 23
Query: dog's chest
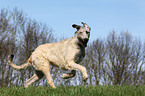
79, 56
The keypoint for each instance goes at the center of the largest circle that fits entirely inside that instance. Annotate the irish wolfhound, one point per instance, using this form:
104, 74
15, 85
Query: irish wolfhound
65, 54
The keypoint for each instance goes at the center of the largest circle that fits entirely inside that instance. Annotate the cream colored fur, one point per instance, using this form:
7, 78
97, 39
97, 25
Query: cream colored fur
65, 54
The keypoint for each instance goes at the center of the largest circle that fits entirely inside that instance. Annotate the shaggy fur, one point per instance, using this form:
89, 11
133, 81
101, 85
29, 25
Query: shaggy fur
65, 54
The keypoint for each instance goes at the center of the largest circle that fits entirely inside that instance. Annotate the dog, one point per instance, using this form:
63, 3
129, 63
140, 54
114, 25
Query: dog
66, 54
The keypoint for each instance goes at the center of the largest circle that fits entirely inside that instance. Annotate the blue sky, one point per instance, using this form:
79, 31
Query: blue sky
102, 16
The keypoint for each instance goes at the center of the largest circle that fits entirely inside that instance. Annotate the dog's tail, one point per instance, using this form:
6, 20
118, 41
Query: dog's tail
23, 66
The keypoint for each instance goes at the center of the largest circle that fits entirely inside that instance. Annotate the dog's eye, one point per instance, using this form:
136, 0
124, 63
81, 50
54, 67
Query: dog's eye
81, 32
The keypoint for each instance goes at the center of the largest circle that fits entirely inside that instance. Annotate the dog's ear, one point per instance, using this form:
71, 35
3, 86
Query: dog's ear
85, 25
76, 26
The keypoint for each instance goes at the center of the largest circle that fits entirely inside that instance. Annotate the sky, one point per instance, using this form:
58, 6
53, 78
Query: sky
102, 16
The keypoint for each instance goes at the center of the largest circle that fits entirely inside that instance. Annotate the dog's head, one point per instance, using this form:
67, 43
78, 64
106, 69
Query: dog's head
82, 33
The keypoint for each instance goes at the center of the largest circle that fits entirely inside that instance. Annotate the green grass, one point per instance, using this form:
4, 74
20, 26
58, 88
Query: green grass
74, 91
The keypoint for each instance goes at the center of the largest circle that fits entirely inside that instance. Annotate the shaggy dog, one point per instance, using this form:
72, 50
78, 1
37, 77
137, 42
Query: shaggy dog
66, 54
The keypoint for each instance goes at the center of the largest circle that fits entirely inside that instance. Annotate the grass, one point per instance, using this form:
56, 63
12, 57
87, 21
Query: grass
74, 91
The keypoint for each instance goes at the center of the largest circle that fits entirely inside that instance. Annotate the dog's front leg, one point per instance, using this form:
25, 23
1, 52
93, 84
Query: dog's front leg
73, 66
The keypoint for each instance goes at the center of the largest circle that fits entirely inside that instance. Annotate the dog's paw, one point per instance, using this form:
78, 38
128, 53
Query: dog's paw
26, 86
85, 78
53, 87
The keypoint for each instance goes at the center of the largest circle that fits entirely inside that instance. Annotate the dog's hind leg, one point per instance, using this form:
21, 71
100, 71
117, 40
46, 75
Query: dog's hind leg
46, 71
47, 74
38, 75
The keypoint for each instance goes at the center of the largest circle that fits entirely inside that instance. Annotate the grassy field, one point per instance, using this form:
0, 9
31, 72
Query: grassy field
74, 91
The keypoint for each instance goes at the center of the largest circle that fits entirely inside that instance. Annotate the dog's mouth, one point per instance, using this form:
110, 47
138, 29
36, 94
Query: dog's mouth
86, 40
83, 42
